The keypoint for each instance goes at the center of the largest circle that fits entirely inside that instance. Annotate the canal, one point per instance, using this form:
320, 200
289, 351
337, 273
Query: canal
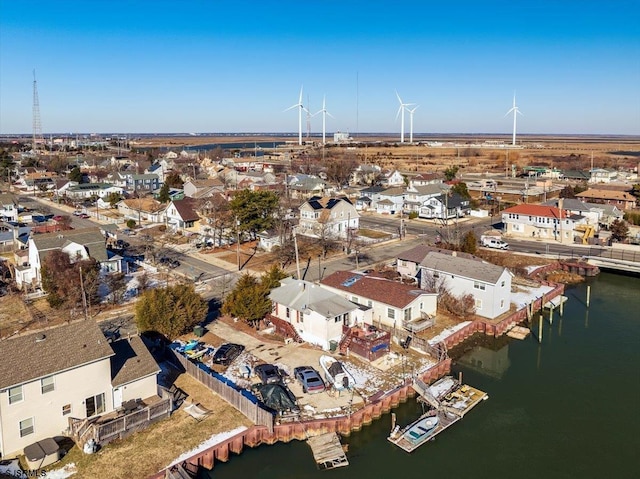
563, 408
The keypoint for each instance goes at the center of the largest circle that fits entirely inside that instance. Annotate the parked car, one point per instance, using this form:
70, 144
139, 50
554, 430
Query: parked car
268, 373
226, 353
169, 262
84, 215
309, 379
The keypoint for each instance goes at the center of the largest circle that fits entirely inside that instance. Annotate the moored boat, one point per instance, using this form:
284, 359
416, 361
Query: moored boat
421, 429
336, 374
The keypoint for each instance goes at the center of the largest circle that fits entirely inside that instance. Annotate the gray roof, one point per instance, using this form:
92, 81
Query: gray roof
420, 252
132, 361
430, 189
25, 358
91, 238
466, 268
299, 294
568, 204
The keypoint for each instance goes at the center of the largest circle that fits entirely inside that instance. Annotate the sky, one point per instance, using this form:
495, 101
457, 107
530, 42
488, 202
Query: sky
199, 66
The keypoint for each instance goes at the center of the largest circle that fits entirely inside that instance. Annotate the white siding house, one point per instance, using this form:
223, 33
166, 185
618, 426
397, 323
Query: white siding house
316, 313
328, 217
490, 285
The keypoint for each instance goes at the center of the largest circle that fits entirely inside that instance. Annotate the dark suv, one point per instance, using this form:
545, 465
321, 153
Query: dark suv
268, 373
226, 353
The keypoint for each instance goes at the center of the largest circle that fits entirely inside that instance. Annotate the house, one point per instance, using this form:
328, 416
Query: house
267, 240
365, 174
607, 214
577, 208
142, 183
394, 304
389, 201
8, 207
602, 175
445, 206
417, 196
80, 243
89, 190
408, 262
13, 235
392, 178
328, 217
489, 284
541, 222
202, 188
369, 197
181, 215
304, 186
621, 199
315, 313
423, 179
71, 371
142, 209
157, 169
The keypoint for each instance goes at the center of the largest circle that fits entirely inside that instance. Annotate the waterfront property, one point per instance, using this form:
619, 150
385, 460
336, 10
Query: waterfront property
54, 377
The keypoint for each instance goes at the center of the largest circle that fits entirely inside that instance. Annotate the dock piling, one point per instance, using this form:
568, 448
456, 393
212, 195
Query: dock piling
540, 329
588, 295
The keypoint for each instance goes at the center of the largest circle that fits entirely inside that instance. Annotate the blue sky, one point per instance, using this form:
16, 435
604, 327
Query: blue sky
214, 66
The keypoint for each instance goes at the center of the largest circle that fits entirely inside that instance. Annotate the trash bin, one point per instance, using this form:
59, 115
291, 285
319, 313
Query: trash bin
198, 331
333, 345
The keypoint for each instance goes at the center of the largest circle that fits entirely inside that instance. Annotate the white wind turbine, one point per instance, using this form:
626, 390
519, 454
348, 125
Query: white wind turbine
516, 112
325, 113
411, 112
401, 109
300, 108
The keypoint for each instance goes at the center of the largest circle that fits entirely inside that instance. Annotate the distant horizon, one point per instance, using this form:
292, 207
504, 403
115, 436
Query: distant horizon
244, 66
179, 134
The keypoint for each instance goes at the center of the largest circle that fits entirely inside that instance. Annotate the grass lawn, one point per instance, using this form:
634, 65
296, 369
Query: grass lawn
147, 452
372, 233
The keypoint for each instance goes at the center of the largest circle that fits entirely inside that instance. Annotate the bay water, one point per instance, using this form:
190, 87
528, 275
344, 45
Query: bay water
567, 407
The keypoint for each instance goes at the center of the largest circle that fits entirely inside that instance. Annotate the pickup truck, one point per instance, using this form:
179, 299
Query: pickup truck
493, 242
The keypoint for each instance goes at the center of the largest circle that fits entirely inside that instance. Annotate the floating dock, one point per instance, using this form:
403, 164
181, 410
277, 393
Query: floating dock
328, 451
518, 332
454, 401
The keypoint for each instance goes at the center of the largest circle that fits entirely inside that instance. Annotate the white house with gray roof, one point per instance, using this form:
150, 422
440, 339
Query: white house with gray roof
69, 371
489, 284
81, 244
316, 313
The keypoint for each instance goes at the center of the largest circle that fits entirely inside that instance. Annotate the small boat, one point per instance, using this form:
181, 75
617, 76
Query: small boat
421, 429
190, 345
197, 352
336, 374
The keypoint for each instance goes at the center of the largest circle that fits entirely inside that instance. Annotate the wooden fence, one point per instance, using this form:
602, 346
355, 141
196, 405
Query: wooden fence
241, 399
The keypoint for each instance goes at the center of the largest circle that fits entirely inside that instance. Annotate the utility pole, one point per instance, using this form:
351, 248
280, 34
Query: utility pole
238, 242
84, 297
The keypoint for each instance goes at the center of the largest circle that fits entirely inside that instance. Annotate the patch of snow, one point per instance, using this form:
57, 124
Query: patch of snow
447, 332
527, 294
212, 441
12, 468
66, 471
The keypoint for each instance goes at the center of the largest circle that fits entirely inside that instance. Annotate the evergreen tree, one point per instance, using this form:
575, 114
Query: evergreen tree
469, 243
171, 311
254, 210
163, 196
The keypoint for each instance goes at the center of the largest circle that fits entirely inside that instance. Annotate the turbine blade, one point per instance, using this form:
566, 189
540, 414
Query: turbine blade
399, 110
399, 99
329, 114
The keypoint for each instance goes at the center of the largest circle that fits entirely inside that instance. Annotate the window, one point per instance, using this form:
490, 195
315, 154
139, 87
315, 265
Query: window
354, 299
479, 286
391, 313
369, 303
15, 394
288, 313
66, 409
94, 405
502, 284
478, 304
501, 303
26, 427
47, 384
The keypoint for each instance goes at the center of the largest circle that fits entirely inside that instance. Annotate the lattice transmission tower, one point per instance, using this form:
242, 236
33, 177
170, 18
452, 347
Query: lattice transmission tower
37, 127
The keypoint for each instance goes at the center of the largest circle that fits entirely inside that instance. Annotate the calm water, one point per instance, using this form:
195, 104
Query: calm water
566, 408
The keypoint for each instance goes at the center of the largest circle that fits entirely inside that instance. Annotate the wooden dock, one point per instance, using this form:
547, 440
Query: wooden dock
328, 451
453, 405
555, 302
518, 332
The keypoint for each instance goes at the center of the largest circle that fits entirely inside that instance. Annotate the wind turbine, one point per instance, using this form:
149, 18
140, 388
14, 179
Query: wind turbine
411, 122
402, 108
516, 112
324, 118
300, 108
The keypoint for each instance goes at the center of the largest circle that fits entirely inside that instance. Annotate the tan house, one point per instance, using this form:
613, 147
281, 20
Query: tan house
69, 371
621, 199
328, 217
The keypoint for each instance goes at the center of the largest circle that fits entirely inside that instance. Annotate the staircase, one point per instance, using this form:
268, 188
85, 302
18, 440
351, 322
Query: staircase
285, 328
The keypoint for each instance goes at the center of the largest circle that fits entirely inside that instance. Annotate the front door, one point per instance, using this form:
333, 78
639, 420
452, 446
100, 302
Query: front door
117, 398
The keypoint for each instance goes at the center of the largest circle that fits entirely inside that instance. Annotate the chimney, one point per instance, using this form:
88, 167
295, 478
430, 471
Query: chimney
560, 205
